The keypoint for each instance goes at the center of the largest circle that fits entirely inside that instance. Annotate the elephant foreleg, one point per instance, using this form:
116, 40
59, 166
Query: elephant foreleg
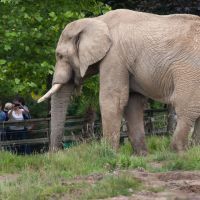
111, 113
134, 114
114, 92
111, 110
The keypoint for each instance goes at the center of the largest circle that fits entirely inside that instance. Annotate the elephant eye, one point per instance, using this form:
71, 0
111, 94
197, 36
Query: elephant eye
59, 56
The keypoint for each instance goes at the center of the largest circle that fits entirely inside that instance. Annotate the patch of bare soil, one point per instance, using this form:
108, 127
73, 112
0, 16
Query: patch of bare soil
91, 179
176, 185
8, 177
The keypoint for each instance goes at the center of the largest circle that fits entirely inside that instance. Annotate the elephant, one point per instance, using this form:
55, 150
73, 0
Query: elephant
138, 56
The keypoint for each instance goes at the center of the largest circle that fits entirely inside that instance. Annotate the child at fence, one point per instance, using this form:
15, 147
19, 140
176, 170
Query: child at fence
7, 107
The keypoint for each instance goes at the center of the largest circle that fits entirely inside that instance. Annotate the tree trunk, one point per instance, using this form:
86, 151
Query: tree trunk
59, 104
196, 132
171, 120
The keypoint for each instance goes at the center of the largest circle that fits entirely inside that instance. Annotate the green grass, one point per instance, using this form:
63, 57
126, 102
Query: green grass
48, 175
158, 144
190, 160
110, 186
156, 189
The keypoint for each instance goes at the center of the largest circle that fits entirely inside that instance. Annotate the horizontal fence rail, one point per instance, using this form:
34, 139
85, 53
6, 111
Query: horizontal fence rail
37, 131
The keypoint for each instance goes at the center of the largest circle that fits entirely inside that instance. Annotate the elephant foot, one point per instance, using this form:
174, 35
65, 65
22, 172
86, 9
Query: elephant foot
178, 147
112, 145
140, 151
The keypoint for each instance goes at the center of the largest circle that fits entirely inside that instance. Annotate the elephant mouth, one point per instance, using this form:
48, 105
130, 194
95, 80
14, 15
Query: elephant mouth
56, 86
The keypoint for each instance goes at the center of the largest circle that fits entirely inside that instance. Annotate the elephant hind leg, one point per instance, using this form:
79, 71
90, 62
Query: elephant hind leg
196, 132
187, 116
134, 115
187, 108
180, 136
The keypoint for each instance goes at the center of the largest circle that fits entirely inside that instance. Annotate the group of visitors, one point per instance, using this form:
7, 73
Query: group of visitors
17, 110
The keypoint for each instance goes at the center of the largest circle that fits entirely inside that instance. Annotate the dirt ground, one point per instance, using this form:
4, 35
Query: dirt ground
176, 185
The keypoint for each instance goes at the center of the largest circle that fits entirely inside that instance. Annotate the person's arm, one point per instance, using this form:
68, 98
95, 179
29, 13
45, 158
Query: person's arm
4, 116
7, 117
25, 108
10, 114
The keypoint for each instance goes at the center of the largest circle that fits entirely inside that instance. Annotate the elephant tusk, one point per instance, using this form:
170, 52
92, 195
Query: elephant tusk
53, 90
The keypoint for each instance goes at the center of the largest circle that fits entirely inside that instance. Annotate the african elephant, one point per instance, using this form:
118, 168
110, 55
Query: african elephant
138, 55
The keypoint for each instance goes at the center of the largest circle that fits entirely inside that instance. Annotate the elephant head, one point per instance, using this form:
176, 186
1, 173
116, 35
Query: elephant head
82, 43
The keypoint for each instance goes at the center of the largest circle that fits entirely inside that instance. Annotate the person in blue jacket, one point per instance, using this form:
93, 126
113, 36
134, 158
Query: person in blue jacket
2, 113
2, 118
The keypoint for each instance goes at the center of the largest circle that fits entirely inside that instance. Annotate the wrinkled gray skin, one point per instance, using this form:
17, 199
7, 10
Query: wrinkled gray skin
138, 55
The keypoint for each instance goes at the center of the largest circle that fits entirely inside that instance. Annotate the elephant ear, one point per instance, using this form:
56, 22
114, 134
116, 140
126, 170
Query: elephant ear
93, 43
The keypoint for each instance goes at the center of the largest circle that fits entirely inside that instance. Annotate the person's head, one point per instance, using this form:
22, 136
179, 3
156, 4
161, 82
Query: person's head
8, 106
16, 104
21, 100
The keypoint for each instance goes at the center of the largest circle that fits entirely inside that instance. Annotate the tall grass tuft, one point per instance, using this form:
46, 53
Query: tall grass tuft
114, 185
190, 160
158, 143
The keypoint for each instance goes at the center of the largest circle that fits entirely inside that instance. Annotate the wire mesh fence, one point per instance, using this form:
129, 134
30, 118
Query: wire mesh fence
155, 122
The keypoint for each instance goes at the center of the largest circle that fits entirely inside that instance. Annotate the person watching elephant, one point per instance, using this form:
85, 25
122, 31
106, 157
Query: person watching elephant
17, 112
23, 105
18, 131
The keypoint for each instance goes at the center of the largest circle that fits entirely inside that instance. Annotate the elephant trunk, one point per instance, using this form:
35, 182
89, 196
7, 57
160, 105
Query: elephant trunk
60, 94
59, 103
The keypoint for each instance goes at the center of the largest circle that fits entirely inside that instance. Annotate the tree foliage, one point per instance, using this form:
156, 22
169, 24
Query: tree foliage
158, 6
29, 31
89, 98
